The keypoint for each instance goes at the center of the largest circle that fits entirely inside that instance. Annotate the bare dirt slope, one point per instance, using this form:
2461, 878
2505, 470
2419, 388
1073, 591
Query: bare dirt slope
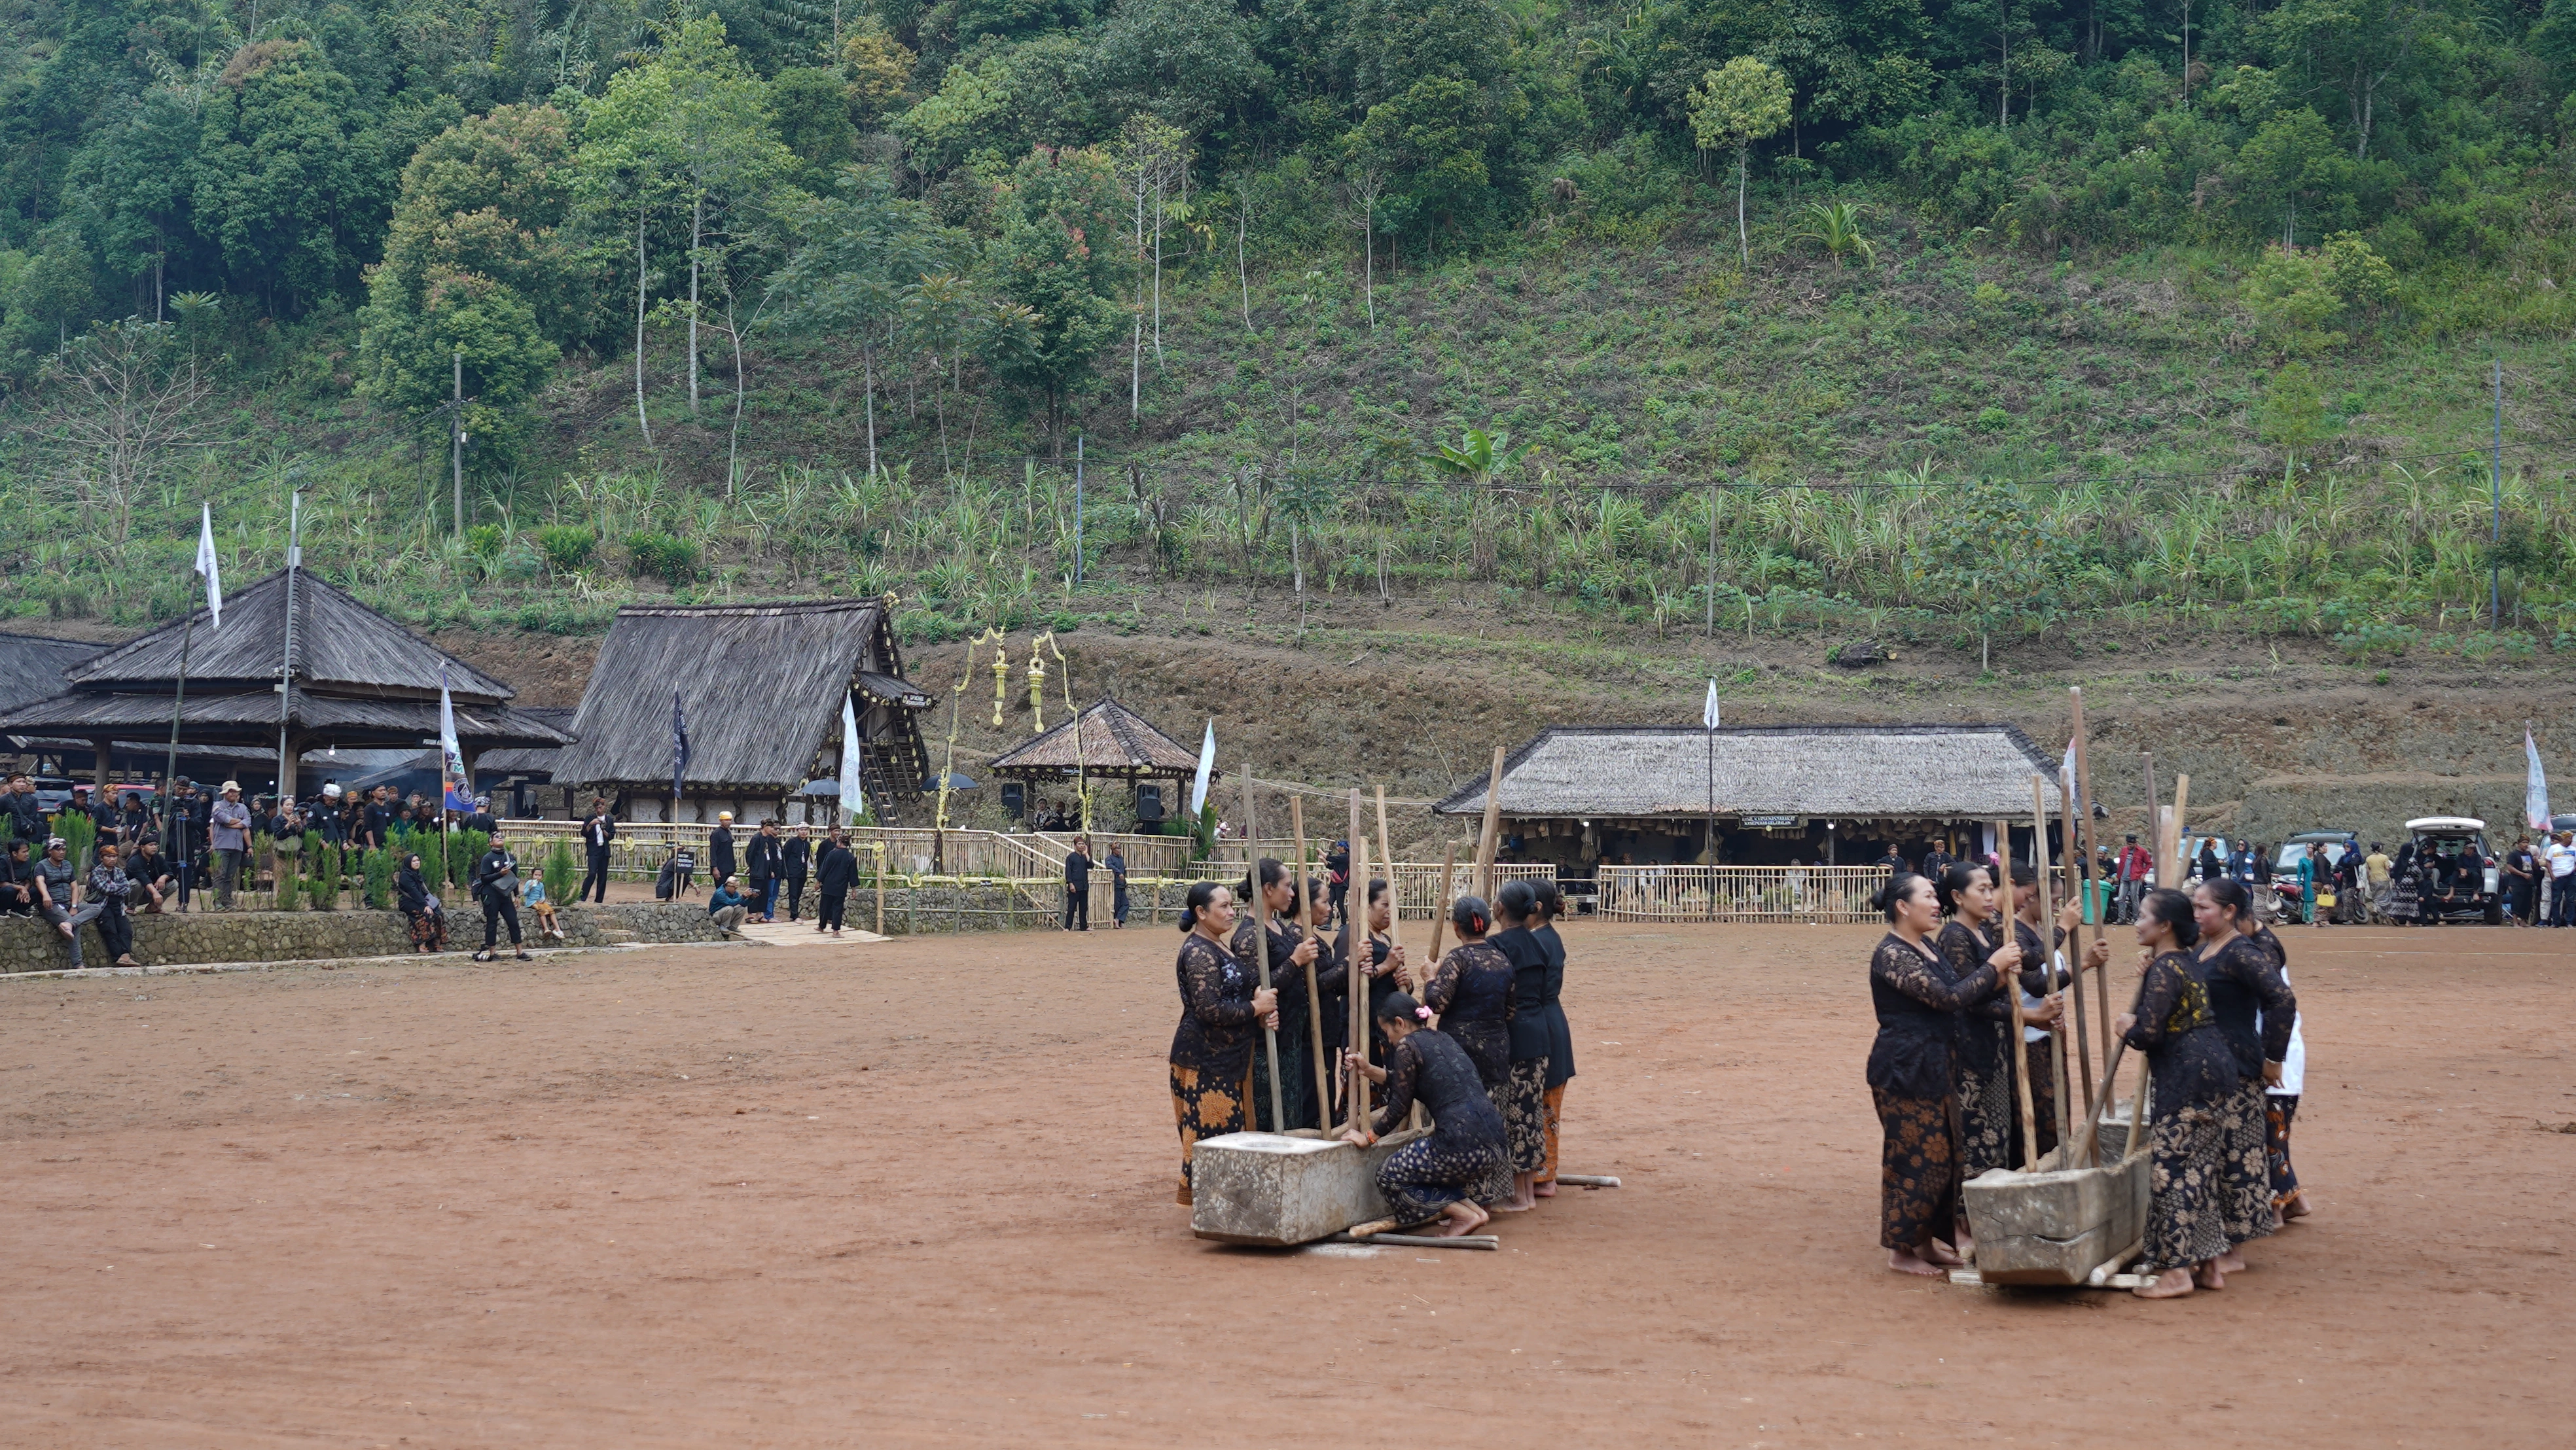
920, 1194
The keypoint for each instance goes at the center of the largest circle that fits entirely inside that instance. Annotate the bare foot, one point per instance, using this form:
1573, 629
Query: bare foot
1967, 1246
1937, 1252
2297, 1207
2211, 1275
1544, 1190
1514, 1206
2171, 1284
1462, 1217
2230, 1262
1904, 1261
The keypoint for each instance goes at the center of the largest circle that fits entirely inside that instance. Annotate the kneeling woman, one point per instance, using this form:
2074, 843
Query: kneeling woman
2192, 1077
1434, 1177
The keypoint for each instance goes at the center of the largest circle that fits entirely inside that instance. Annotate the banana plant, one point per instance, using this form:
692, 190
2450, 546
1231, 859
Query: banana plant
1836, 228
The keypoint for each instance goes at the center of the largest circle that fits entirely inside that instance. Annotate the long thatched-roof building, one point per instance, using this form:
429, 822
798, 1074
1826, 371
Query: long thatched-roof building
354, 680
1583, 795
759, 689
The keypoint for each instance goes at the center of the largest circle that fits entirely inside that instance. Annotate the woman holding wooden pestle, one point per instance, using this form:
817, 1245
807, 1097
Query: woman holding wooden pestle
1560, 1035
1472, 992
1974, 936
1386, 959
2042, 980
1525, 1095
1912, 1080
2255, 1010
1290, 954
2192, 1075
1222, 1001
1437, 1176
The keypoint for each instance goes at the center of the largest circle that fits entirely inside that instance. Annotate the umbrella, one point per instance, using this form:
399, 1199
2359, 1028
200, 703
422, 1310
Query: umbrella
955, 782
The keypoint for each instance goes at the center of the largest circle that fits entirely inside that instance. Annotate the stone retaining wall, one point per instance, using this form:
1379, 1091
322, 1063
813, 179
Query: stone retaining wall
1003, 906
30, 945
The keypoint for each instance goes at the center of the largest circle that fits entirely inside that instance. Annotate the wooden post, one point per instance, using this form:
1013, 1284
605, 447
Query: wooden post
2047, 926
881, 873
1491, 836
2092, 860
1261, 944
1314, 996
2073, 857
1440, 908
1355, 1096
2154, 829
2173, 828
2016, 1061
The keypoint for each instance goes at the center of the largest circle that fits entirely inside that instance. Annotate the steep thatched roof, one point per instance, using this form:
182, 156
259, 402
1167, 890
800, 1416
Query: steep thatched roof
1931, 772
1114, 741
208, 717
760, 685
341, 647
32, 666
528, 759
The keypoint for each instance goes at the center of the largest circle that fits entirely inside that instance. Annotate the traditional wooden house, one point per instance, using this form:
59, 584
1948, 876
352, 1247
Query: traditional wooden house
355, 680
759, 689
1106, 743
1582, 796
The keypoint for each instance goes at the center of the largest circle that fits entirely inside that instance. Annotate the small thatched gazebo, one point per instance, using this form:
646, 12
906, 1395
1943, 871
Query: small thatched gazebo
358, 680
760, 688
1578, 795
1107, 741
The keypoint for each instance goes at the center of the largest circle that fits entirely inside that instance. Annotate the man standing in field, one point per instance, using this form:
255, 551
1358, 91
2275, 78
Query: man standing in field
2562, 876
2134, 866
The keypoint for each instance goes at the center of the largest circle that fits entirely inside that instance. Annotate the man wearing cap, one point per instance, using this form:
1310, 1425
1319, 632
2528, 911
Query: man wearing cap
720, 861
228, 832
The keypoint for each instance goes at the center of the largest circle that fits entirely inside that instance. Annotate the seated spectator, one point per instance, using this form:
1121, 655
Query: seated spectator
728, 906
534, 895
155, 884
18, 881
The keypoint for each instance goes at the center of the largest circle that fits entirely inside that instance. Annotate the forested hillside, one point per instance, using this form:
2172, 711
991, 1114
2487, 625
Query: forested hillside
1945, 321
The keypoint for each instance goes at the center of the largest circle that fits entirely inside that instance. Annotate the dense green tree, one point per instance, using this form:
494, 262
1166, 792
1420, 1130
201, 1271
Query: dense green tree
288, 182
494, 197
1058, 256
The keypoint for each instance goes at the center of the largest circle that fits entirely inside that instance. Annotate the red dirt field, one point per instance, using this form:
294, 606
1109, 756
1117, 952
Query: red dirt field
920, 1194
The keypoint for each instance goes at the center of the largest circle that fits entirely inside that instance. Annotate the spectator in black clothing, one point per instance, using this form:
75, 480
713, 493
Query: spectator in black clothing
596, 833
836, 870
186, 824
720, 862
376, 826
496, 885
1117, 865
1077, 883
795, 860
134, 824
482, 818
18, 880
761, 857
26, 816
1337, 874
1891, 862
154, 882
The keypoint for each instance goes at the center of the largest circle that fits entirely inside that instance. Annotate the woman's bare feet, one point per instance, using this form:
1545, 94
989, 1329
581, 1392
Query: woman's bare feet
1522, 1200
1905, 1261
2211, 1275
1462, 1217
1936, 1252
2297, 1207
2171, 1284
1546, 1189
2230, 1262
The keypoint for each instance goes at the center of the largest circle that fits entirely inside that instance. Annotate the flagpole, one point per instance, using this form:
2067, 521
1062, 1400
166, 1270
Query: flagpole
170, 769
1708, 724
286, 665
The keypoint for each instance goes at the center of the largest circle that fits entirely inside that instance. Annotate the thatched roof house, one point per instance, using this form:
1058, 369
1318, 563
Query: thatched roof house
1772, 789
32, 667
1107, 741
759, 688
358, 680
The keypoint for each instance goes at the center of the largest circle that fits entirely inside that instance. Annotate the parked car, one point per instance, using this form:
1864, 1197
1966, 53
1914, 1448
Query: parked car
2452, 877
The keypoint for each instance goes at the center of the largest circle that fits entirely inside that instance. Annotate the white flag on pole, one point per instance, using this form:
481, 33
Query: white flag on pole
853, 795
2535, 789
451, 756
1207, 767
1708, 712
206, 566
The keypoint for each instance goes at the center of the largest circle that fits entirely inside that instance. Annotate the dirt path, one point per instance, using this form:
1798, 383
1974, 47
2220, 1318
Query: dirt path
919, 1194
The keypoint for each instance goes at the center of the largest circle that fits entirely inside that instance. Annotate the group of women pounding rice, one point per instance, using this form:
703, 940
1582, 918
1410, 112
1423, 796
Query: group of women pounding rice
2214, 1017
1484, 1049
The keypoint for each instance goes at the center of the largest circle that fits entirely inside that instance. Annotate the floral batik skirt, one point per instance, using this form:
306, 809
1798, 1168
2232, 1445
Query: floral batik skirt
1428, 1174
2186, 1215
429, 930
1555, 1100
1918, 1170
2278, 1110
1985, 1120
2246, 1151
1525, 1117
1205, 1108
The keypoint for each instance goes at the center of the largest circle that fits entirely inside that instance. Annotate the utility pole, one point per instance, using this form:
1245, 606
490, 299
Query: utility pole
456, 440
2495, 539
